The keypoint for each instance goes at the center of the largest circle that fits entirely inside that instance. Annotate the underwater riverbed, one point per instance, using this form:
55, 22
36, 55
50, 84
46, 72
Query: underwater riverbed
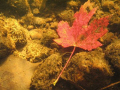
32, 55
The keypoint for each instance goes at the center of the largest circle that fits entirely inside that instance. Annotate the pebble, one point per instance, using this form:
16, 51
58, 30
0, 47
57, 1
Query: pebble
30, 27
36, 11
35, 34
54, 24
39, 21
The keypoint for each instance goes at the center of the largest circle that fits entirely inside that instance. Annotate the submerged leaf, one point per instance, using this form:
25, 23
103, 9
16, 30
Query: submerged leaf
82, 34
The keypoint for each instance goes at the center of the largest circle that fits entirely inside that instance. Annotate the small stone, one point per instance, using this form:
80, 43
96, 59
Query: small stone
54, 24
35, 34
36, 11
47, 25
73, 3
39, 21
67, 15
49, 19
30, 27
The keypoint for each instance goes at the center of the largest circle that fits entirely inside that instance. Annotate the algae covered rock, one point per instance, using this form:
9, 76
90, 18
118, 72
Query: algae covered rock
47, 72
36, 52
89, 70
27, 5
113, 8
67, 15
12, 35
108, 38
20, 5
38, 5
113, 53
4, 50
48, 36
35, 34
33, 52
16, 32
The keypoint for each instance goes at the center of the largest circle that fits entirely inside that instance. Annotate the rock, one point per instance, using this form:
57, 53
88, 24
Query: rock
30, 27
73, 3
4, 50
25, 5
113, 53
67, 15
54, 25
47, 72
16, 32
89, 70
35, 34
12, 36
49, 19
108, 38
36, 11
108, 4
48, 36
18, 5
36, 52
40, 4
39, 21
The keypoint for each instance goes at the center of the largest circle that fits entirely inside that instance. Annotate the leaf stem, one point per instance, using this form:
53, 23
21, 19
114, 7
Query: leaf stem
54, 83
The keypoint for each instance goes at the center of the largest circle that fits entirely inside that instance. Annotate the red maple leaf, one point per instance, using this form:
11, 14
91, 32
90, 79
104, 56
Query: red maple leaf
82, 34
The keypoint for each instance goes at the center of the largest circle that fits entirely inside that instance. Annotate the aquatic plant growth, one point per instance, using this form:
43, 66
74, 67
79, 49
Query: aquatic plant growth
82, 34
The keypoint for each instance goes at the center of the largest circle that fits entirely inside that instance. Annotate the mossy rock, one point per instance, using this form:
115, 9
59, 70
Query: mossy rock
36, 52
113, 53
47, 72
89, 70
12, 35
48, 36
18, 5
16, 32
4, 50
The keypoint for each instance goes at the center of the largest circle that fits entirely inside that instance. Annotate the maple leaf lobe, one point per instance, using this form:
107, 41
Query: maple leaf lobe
66, 39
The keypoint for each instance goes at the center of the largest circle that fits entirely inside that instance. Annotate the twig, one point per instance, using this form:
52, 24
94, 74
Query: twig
110, 85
